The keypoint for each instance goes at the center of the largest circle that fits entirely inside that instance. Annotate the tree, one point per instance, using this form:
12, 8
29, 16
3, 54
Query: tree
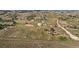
0, 18
1, 26
13, 20
30, 18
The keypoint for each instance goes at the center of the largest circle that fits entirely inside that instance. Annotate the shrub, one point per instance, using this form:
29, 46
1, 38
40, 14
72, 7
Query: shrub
62, 38
1, 20
1, 27
31, 17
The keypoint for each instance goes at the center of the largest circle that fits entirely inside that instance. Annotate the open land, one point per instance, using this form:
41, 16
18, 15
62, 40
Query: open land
39, 28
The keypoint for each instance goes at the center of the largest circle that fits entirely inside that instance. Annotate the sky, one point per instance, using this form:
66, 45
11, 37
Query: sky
39, 4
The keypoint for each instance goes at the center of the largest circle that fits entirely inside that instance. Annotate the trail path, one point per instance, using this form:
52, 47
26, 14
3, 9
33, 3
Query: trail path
70, 34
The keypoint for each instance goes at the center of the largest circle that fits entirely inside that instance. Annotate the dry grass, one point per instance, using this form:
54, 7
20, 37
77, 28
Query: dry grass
21, 36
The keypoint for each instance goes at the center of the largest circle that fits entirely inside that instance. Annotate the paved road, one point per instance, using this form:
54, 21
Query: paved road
70, 34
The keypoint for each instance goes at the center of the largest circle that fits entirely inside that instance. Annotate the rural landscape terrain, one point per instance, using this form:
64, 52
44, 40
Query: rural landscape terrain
39, 29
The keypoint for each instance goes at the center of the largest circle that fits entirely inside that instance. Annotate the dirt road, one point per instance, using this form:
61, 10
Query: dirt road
70, 34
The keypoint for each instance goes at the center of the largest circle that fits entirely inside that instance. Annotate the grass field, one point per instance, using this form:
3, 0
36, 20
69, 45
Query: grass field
34, 36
